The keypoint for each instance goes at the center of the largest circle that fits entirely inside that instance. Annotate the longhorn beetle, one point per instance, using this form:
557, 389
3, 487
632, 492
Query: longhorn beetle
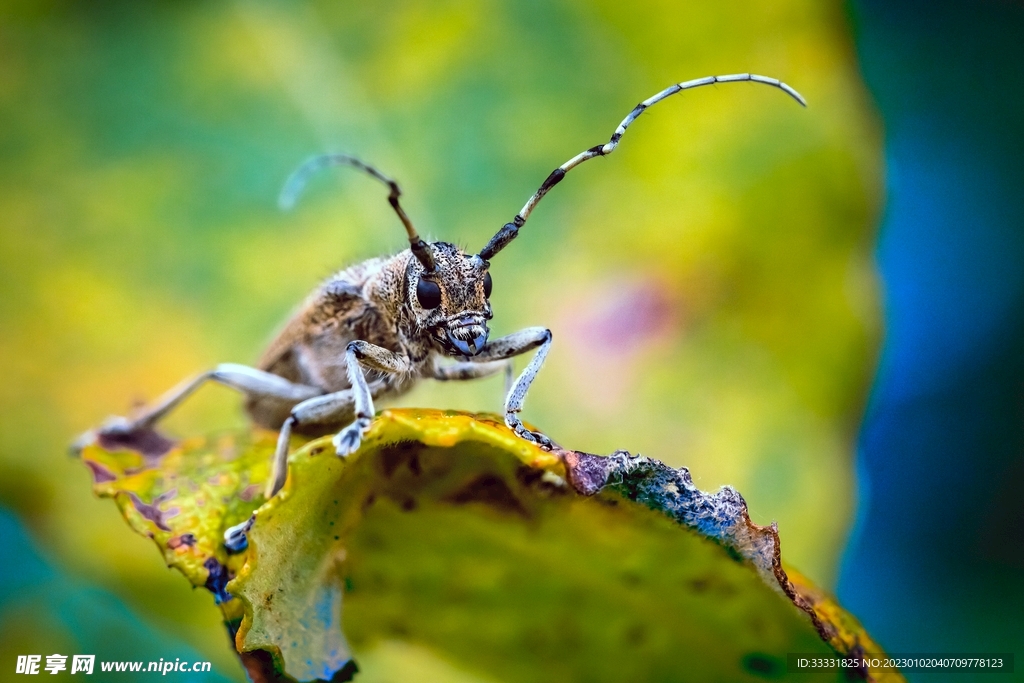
374, 329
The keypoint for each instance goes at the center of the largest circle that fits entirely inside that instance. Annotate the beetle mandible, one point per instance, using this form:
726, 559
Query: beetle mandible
372, 330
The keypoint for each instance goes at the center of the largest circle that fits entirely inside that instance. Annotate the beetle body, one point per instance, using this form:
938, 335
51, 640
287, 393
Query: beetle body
376, 328
376, 301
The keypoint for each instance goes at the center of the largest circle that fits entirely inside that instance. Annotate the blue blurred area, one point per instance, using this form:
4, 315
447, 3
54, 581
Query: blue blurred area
936, 561
45, 612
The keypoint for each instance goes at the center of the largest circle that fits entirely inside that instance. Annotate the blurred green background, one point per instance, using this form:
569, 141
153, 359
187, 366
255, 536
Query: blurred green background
710, 286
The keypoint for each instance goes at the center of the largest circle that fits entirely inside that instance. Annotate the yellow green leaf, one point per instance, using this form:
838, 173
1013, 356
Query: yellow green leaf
508, 562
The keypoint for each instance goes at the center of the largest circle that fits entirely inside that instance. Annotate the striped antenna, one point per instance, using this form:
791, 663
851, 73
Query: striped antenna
508, 232
297, 182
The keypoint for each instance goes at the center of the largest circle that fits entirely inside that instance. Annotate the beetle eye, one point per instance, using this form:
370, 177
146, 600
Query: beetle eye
428, 294
487, 285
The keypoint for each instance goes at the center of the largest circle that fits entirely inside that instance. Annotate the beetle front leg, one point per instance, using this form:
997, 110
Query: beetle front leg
325, 409
513, 345
319, 410
357, 355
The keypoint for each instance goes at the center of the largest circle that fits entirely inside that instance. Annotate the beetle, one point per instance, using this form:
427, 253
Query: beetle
374, 329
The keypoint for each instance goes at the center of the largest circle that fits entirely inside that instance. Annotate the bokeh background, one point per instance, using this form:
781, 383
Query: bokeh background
821, 307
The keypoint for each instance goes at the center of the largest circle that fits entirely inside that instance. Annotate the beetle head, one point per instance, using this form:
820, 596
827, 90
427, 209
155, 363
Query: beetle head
450, 301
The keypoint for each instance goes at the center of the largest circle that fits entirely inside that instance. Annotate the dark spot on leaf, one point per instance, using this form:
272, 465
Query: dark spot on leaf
187, 540
533, 478
491, 490
763, 665
368, 502
414, 464
217, 580
316, 451
100, 473
349, 586
151, 511
409, 504
393, 455
528, 476
709, 583
150, 443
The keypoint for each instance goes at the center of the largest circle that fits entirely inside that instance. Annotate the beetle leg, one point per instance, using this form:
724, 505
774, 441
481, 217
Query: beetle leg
323, 410
326, 409
469, 370
357, 355
513, 345
250, 381
464, 370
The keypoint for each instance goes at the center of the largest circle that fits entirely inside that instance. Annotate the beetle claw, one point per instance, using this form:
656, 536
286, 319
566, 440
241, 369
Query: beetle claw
347, 441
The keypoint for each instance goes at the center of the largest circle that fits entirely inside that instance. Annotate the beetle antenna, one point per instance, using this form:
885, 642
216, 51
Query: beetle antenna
297, 182
508, 232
